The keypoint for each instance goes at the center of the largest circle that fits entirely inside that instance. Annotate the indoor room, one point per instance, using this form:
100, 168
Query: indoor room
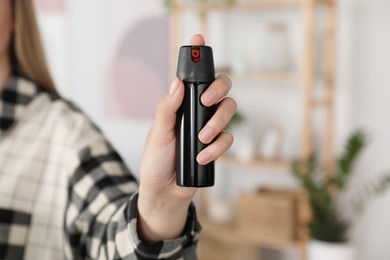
299, 84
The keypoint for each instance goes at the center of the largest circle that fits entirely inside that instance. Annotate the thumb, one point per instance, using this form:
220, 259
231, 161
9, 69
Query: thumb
167, 107
170, 103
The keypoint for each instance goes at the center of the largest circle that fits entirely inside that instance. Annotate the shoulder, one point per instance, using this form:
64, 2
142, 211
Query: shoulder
61, 117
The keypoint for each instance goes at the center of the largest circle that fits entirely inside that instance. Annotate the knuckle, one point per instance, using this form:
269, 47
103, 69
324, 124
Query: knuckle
161, 104
231, 103
234, 104
220, 120
222, 84
231, 137
227, 80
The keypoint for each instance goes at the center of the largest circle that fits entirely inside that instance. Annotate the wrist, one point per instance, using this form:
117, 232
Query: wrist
161, 205
164, 200
160, 217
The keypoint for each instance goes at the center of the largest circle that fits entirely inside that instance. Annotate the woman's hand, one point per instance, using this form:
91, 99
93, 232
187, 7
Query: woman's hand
162, 205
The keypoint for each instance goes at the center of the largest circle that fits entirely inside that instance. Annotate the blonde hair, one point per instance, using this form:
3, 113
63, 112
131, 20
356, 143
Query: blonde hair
27, 47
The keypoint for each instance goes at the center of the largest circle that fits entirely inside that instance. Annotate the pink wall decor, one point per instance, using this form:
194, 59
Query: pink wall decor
138, 74
50, 5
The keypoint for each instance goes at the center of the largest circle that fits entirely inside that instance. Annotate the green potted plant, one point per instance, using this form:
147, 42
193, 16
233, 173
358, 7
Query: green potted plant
328, 227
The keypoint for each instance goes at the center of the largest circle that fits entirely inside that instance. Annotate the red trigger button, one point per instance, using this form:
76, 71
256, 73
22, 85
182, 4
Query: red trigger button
195, 54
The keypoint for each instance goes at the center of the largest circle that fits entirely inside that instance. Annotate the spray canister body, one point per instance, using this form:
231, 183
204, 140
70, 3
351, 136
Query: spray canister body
196, 69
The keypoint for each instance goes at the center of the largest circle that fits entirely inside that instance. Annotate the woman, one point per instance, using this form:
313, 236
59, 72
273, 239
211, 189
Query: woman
63, 188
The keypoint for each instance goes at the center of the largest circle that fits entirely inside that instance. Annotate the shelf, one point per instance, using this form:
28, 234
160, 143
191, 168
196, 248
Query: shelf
266, 5
228, 234
257, 162
279, 76
305, 77
326, 2
248, 7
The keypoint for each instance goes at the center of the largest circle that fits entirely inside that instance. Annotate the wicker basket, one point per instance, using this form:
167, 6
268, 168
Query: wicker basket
273, 214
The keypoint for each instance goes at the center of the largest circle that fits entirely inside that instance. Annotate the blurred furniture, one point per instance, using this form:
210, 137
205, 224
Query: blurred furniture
276, 219
277, 214
227, 236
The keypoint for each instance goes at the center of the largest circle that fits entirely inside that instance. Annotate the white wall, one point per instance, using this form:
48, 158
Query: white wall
369, 92
363, 92
86, 70
74, 41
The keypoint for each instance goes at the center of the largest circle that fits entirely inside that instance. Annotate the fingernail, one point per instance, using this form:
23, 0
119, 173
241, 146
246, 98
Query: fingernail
206, 135
195, 36
204, 158
174, 87
210, 96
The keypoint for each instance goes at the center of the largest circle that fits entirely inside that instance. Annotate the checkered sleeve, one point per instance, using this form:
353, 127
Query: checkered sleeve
101, 214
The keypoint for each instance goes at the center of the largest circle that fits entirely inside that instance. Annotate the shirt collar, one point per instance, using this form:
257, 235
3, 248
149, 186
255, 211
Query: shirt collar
15, 96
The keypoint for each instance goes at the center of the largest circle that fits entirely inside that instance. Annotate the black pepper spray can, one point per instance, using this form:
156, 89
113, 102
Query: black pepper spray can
196, 70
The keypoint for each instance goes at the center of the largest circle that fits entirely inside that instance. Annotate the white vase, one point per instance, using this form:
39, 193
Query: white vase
320, 250
277, 55
220, 211
244, 146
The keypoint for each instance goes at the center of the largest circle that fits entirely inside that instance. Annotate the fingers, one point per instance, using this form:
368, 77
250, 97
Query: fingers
214, 127
197, 39
170, 103
226, 109
217, 90
168, 106
216, 149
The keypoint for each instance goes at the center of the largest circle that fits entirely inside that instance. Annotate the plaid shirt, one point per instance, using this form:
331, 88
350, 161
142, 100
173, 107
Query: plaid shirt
64, 191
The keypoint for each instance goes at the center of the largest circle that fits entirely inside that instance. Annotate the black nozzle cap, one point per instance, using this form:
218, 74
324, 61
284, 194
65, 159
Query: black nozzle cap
196, 64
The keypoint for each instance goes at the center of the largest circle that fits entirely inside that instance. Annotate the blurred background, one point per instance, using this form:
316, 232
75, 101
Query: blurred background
307, 74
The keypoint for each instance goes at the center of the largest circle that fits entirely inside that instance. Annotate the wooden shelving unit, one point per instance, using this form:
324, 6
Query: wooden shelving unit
229, 160
248, 7
274, 76
304, 78
255, 6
